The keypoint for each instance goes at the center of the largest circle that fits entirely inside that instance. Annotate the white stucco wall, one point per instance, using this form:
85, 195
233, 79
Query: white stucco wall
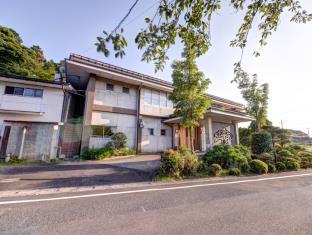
156, 142
114, 98
123, 123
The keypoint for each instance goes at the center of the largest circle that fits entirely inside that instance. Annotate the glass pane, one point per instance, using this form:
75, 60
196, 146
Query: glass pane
163, 131
97, 131
38, 93
109, 87
9, 90
29, 92
169, 102
18, 91
163, 99
155, 98
147, 96
125, 90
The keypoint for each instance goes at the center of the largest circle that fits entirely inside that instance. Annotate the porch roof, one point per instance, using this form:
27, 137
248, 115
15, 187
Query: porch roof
215, 112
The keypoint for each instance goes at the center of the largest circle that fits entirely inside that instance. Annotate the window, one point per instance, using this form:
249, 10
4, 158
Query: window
103, 131
163, 132
163, 99
109, 87
126, 90
147, 96
155, 98
9, 90
151, 131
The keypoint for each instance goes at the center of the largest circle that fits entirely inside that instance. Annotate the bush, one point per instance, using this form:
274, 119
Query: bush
261, 142
215, 169
280, 166
244, 151
291, 164
271, 168
258, 167
245, 168
245, 136
234, 171
285, 153
171, 164
119, 140
202, 167
123, 152
306, 159
277, 148
265, 157
190, 163
225, 155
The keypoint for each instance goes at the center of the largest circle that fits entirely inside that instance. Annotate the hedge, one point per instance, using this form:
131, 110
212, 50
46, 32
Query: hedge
261, 142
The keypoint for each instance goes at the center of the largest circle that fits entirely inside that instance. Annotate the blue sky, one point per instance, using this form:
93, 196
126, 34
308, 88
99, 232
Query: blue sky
71, 26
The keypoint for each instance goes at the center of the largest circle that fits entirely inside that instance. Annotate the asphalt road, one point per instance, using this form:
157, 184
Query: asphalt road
272, 206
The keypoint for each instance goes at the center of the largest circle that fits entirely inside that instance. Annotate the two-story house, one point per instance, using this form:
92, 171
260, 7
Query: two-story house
30, 117
117, 99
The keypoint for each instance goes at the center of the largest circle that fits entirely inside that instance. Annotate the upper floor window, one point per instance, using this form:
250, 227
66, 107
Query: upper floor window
109, 87
155, 98
126, 90
147, 96
10, 90
163, 99
169, 102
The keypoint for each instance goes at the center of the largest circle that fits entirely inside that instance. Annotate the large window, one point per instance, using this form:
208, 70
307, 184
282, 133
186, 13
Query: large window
31, 92
169, 102
163, 99
103, 131
155, 98
147, 96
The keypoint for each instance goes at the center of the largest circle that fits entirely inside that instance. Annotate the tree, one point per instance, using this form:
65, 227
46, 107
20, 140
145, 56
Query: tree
256, 96
178, 19
279, 136
245, 136
189, 92
17, 59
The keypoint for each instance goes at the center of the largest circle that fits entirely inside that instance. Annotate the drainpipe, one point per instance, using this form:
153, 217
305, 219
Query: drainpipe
20, 155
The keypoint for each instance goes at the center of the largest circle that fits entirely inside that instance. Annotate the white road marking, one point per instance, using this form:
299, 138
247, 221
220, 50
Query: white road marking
9, 180
152, 189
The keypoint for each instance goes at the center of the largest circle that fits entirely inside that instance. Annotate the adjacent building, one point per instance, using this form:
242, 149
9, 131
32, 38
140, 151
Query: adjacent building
118, 99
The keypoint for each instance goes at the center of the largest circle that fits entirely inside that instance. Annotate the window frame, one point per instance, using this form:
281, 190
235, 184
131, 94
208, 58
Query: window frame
151, 131
162, 132
111, 87
126, 90
13, 90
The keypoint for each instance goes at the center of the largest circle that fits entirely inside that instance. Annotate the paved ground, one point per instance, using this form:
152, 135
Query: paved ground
78, 174
256, 206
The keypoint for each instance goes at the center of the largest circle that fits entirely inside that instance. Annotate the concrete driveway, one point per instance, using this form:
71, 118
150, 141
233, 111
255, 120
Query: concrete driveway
14, 180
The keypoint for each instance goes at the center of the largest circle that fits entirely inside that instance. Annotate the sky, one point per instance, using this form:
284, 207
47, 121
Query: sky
63, 27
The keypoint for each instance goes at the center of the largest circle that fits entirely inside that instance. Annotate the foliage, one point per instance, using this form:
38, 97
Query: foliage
244, 151
171, 164
271, 168
234, 171
17, 59
291, 163
225, 155
285, 153
215, 169
119, 140
279, 136
245, 136
189, 91
265, 157
189, 21
245, 168
258, 167
256, 96
261, 142
190, 164
280, 166
306, 159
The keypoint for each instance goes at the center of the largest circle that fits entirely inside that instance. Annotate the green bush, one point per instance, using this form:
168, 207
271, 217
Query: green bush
245, 168
123, 152
271, 168
261, 142
202, 167
291, 164
234, 171
265, 157
244, 151
245, 136
215, 169
277, 148
190, 163
119, 140
171, 164
258, 167
280, 166
306, 159
225, 155
285, 153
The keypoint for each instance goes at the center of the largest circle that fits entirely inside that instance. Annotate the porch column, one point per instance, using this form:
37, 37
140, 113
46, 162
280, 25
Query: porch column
203, 138
236, 132
210, 134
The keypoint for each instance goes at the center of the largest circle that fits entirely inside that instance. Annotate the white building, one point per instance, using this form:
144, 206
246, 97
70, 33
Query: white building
30, 114
117, 99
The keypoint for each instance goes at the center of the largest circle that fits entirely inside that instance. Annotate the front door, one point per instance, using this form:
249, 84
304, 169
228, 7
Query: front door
5, 140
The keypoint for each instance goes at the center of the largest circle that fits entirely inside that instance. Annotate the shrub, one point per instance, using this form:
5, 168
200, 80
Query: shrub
171, 164
119, 140
244, 151
285, 153
225, 155
190, 162
280, 166
277, 148
234, 171
123, 152
292, 164
202, 167
271, 168
215, 169
245, 168
261, 142
265, 157
245, 136
258, 167
306, 159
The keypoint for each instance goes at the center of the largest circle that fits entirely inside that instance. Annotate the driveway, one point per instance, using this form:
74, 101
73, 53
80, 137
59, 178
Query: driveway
75, 175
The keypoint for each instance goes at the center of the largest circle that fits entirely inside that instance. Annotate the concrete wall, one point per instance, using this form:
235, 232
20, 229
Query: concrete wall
156, 142
40, 139
115, 98
123, 123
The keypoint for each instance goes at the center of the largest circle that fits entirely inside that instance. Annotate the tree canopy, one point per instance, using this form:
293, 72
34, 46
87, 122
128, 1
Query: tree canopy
17, 59
189, 92
189, 20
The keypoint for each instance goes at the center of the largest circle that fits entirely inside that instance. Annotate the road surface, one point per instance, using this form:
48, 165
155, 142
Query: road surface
242, 205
